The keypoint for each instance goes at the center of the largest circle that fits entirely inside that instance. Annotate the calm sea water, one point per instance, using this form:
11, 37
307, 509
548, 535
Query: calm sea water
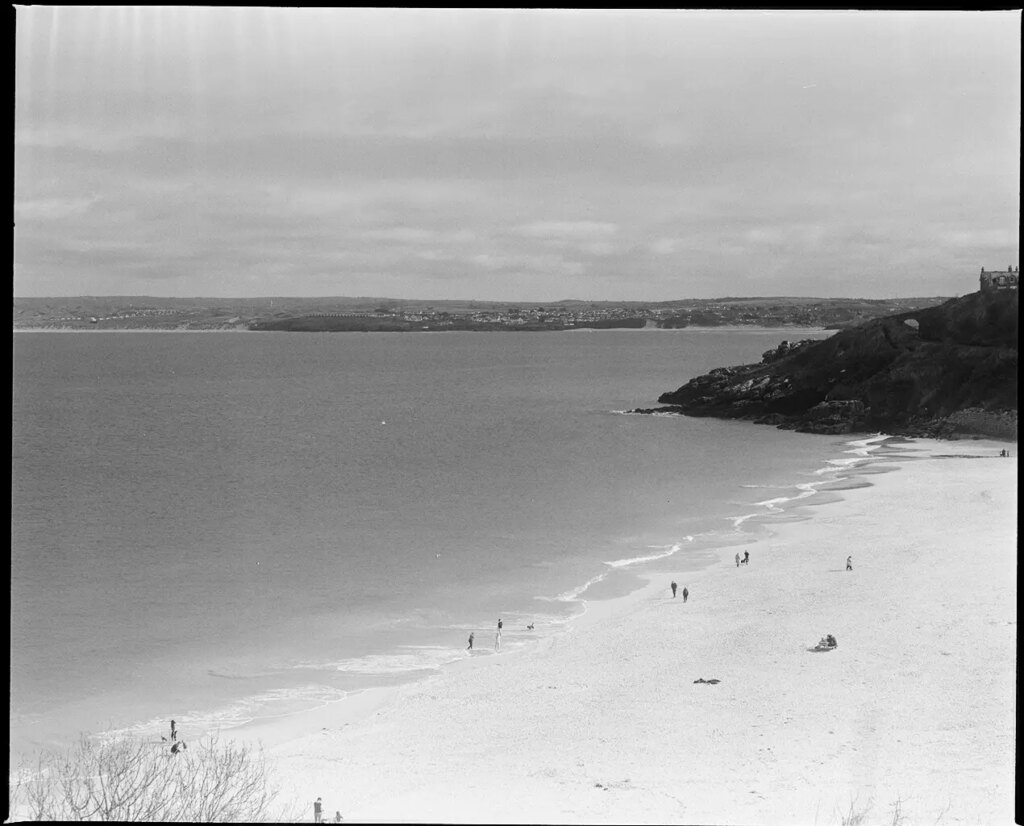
217, 527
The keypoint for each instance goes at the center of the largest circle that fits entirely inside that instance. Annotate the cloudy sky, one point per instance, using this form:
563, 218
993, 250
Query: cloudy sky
513, 155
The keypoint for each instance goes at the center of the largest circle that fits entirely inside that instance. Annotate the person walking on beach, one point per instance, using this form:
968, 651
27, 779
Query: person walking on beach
318, 811
686, 594
746, 557
497, 637
849, 563
470, 641
737, 560
674, 586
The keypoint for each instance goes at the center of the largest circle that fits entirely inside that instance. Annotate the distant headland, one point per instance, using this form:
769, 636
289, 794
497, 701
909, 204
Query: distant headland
938, 371
399, 315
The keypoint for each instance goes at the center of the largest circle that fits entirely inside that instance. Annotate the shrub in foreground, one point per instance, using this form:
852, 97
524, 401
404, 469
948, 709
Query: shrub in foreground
129, 779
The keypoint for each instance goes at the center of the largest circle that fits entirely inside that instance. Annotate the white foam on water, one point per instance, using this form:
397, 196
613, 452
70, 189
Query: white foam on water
409, 658
658, 415
771, 504
837, 465
669, 550
775, 505
865, 446
739, 520
271, 703
861, 450
573, 594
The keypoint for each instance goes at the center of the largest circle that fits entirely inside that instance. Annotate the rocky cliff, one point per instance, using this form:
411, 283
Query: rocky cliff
935, 371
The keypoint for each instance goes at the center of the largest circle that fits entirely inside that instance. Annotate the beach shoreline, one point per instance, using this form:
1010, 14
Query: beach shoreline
603, 722
593, 601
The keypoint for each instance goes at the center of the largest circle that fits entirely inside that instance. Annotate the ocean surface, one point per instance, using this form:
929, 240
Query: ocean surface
221, 527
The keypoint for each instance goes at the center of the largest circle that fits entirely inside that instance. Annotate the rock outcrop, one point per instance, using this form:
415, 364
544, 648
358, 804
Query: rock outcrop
936, 372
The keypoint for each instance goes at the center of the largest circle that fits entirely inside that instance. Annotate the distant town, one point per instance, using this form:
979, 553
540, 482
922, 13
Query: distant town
396, 315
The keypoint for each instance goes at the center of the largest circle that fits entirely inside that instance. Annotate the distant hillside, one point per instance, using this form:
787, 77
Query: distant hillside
340, 314
933, 371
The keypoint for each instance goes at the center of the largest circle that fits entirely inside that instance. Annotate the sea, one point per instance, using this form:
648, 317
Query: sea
218, 528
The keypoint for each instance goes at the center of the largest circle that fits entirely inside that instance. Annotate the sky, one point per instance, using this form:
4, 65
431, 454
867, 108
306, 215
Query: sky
513, 155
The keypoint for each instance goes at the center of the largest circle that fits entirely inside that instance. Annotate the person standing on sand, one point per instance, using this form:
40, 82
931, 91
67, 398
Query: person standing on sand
318, 810
849, 563
746, 557
470, 641
497, 637
686, 594
674, 586
737, 560
174, 731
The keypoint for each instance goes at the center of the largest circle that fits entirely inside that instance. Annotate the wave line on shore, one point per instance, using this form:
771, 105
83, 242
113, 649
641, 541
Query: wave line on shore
636, 560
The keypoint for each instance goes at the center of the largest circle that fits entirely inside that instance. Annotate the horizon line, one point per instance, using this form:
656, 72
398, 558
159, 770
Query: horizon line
482, 300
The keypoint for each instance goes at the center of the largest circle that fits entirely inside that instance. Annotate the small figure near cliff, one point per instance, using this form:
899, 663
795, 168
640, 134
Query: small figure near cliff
674, 586
849, 563
686, 594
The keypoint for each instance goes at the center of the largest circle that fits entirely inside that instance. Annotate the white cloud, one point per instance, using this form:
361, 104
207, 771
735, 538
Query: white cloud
980, 238
52, 208
642, 154
568, 230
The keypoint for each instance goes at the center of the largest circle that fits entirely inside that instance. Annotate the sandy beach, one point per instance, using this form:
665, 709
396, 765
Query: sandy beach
603, 723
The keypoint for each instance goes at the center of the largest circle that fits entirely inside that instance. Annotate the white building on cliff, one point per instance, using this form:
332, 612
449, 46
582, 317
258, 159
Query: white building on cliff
992, 280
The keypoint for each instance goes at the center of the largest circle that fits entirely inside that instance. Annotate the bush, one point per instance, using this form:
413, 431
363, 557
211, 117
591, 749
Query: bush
129, 779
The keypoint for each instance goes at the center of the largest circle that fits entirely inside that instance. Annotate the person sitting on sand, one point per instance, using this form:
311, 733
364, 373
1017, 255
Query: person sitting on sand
831, 640
337, 817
